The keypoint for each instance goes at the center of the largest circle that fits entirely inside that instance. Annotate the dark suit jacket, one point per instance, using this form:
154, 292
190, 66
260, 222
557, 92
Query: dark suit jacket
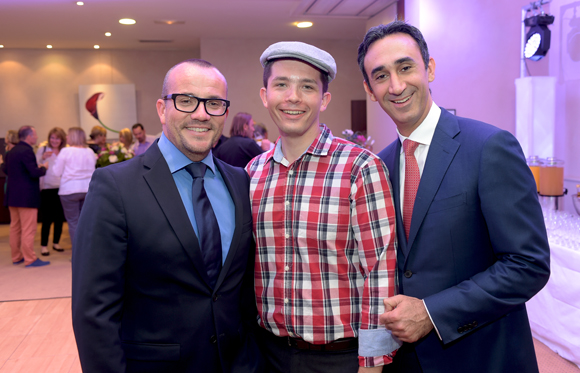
140, 299
238, 151
477, 248
23, 188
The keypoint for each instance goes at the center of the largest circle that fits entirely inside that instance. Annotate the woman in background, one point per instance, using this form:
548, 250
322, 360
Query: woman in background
50, 206
98, 139
126, 138
75, 165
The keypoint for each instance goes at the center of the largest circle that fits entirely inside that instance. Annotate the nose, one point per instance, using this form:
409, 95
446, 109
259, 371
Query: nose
293, 94
397, 86
200, 114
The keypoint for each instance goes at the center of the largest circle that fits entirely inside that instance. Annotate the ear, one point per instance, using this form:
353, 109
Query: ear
325, 101
369, 92
263, 93
161, 110
431, 69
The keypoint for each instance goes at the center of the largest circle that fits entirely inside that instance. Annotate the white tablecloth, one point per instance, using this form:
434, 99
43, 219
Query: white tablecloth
555, 311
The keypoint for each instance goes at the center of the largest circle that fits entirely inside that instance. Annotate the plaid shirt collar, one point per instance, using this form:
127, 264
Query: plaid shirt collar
319, 147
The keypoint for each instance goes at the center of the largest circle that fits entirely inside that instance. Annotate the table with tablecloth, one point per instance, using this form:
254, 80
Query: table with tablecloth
555, 311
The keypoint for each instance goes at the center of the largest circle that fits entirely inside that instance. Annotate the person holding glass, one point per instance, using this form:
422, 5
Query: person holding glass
75, 166
50, 206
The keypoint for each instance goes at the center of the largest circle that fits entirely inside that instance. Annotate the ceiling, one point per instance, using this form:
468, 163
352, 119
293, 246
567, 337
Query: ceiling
65, 25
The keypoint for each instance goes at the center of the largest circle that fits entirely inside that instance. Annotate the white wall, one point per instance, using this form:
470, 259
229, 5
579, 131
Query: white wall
40, 87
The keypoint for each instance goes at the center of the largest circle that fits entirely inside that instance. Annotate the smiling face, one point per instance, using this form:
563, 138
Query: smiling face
193, 133
399, 81
294, 98
55, 141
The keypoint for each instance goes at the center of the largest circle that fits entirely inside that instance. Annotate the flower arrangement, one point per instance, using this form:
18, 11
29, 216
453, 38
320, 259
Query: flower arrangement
359, 139
115, 154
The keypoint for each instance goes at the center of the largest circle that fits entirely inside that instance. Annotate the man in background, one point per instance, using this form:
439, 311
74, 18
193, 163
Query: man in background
324, 227
144, 140
23, 197
472, 242
162, 273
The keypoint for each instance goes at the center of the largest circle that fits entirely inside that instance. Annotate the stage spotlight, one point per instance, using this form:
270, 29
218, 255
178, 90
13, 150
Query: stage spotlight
538, 37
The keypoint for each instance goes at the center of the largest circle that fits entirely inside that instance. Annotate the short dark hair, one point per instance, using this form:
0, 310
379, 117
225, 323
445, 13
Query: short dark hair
23, 132
192, 61
238, 123
268, 73
137, 125
378, 32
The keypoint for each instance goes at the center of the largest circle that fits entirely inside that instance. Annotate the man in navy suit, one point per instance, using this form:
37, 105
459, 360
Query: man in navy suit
143, 297
474, 246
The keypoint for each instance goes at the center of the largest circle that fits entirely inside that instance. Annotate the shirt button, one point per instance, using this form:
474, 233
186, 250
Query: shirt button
286, 301
287, 268
287, 235
287, 203
291, 172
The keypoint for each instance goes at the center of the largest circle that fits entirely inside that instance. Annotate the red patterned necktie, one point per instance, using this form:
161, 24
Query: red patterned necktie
412, 178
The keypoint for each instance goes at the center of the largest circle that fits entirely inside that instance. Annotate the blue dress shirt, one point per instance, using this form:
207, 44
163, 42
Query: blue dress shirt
215, 187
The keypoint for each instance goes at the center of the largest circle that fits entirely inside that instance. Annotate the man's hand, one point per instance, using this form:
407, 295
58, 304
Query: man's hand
378, 369
406, 318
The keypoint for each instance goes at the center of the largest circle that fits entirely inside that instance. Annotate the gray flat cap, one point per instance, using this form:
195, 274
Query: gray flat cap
301, 51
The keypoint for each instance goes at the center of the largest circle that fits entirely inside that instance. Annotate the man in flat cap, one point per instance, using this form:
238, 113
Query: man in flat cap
324, 224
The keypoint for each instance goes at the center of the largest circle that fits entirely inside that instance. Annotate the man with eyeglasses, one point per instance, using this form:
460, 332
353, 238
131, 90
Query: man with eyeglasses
163, 274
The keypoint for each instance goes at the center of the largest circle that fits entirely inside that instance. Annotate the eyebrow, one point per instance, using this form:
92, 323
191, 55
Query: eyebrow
397, 62
286, 79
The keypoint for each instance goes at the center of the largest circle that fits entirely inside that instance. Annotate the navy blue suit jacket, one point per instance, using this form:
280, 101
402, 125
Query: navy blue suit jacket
477, 248
238, 151
23, 183
141, 299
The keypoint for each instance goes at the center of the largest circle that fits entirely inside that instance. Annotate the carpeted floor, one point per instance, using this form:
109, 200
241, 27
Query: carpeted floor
51, 281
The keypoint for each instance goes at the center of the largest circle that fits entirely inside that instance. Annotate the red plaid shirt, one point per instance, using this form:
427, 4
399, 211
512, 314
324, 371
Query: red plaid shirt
325, 244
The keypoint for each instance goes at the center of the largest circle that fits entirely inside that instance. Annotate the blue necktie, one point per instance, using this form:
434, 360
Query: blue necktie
207, 226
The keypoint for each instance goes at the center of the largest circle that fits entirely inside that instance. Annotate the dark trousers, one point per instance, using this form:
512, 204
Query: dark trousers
50, 212
281, 358
405, 361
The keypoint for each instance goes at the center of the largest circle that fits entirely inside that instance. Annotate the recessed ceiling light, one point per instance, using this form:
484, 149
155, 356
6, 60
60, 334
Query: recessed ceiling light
107, 34
49, 46
96, 46
1, 46
303, 24
127, 21
169, 22
80, 3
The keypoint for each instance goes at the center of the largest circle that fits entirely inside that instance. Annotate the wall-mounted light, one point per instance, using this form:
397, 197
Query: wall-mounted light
49, 46
127, 21
1, 46
96, 46
107, 34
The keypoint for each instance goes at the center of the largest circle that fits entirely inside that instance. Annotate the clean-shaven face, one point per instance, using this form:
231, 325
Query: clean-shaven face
294, 98
194, 134
399, 81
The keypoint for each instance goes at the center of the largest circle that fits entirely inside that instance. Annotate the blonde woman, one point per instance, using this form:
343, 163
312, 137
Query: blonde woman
75, 165
126, 138
50, 207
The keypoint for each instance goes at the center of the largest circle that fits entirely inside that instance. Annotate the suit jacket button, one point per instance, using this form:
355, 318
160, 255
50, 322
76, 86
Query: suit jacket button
213, 339
215, 298
408, 273
460, 330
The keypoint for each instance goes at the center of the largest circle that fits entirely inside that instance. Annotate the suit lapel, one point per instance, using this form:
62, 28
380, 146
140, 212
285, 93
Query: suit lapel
441, 153
229, 179
160, 180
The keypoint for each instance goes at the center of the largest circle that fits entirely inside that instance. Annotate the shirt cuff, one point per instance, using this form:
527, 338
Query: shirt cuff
430, 318
376, 347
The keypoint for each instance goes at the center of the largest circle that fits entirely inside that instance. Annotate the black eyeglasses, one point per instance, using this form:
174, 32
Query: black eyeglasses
188, 104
